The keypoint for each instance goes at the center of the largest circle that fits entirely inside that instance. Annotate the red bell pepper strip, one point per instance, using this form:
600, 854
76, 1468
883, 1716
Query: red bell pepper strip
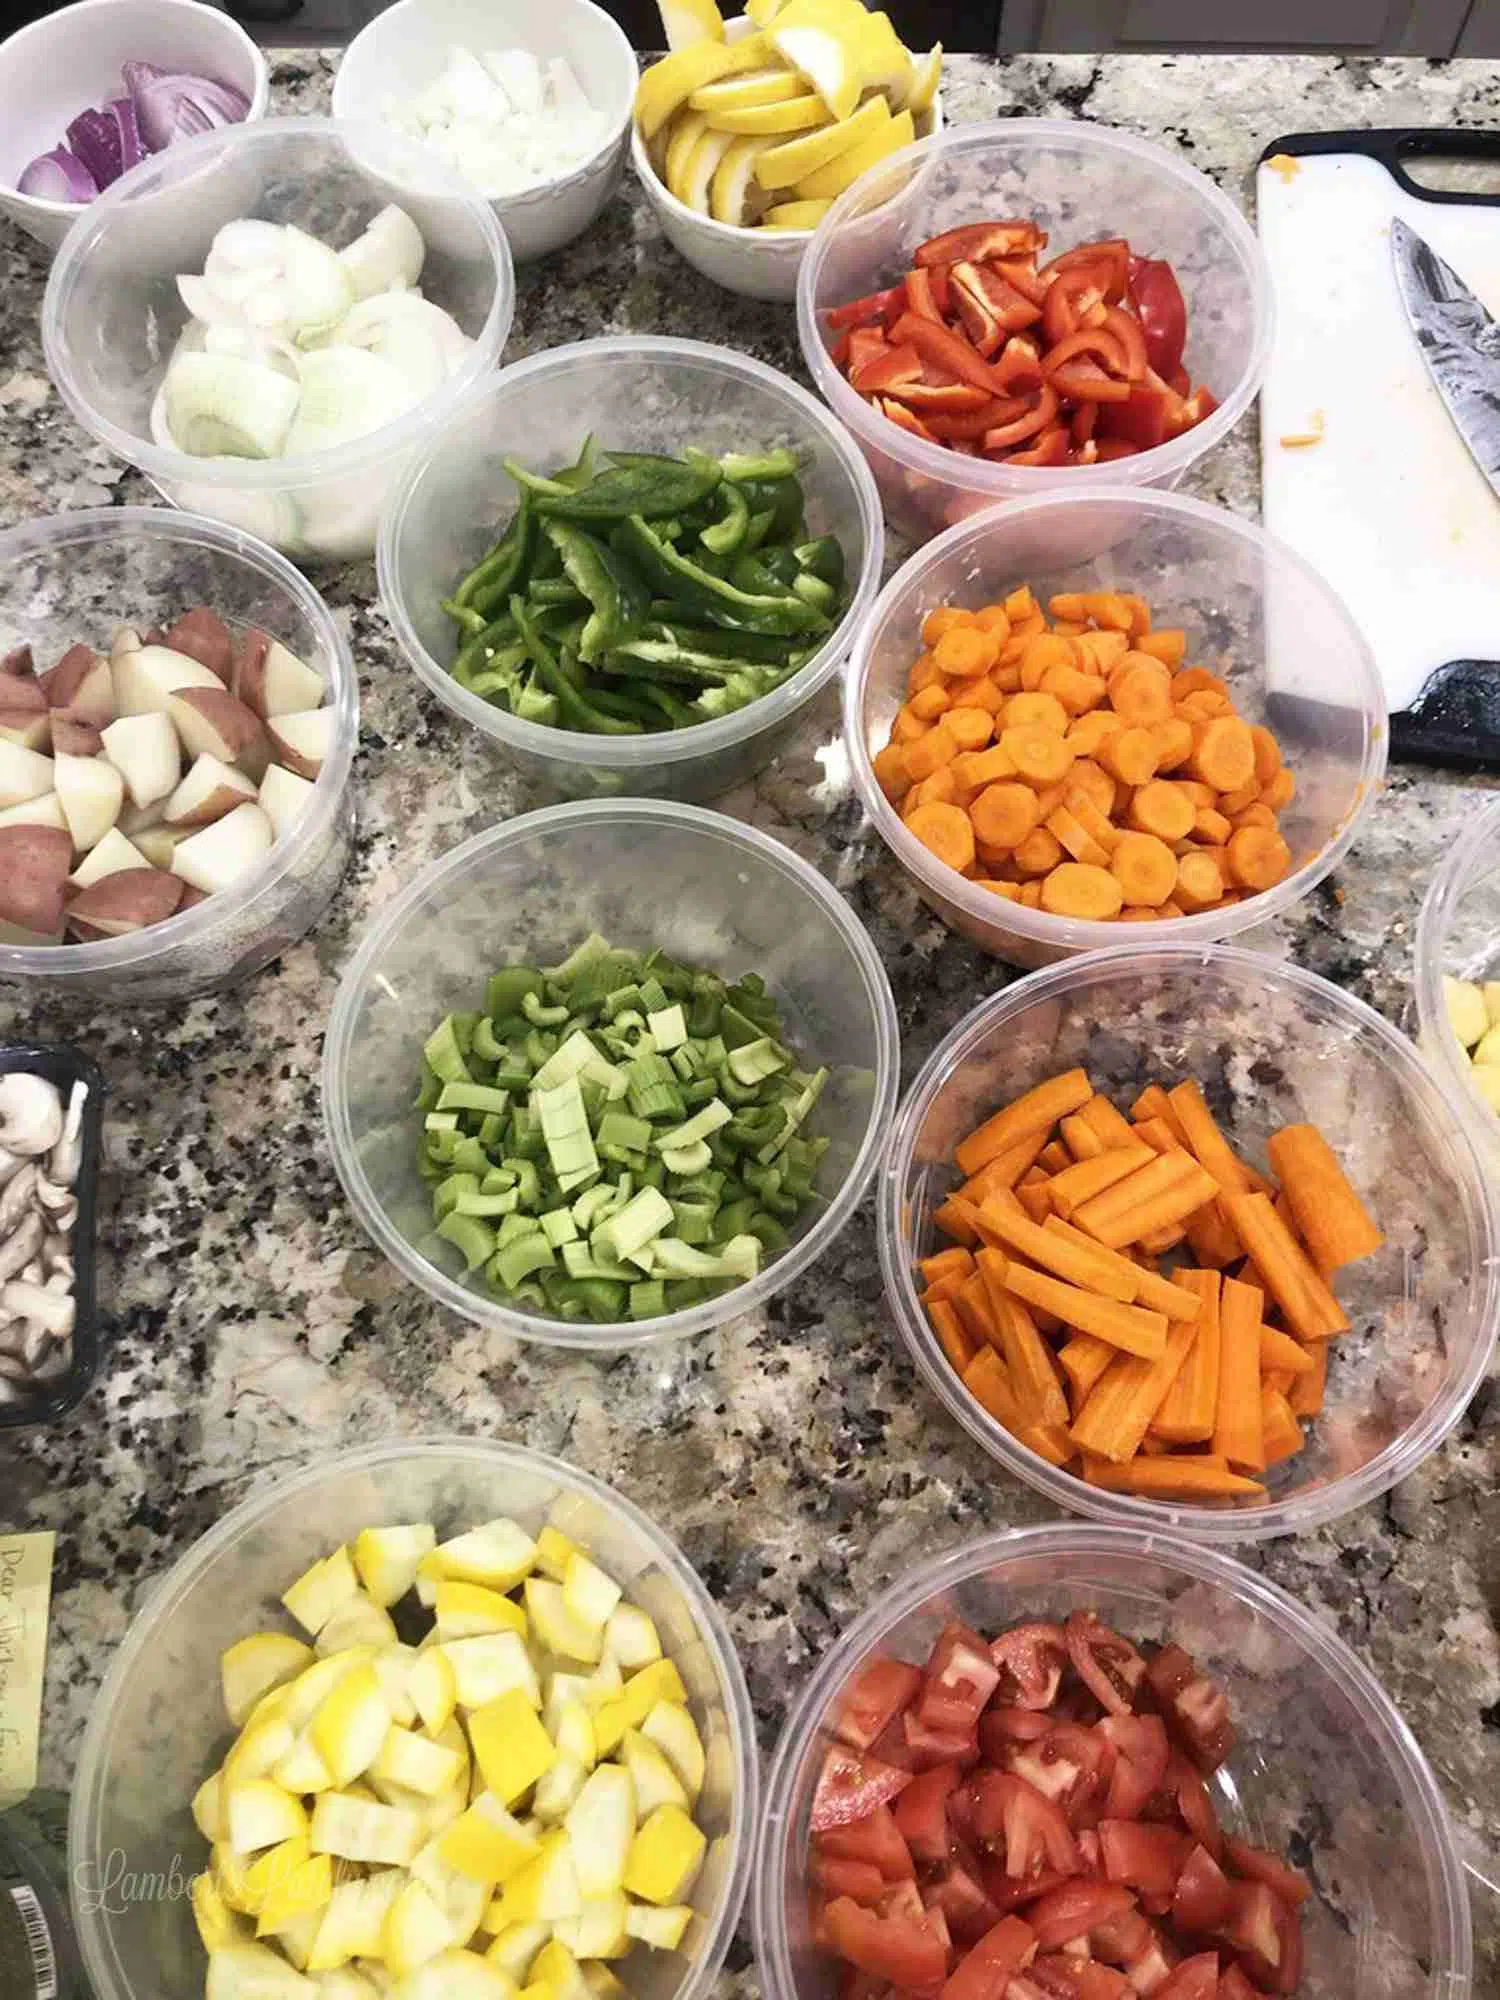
977, 241
1126, 330
869, 310
969, 427
1083, 382
1070, 297
1022, 273
1036, 420
948, 351
889, 370
1019, 368
1158, 299
1113, 252
1094, 341
903, 418
1051, 448
989, 307
921, 296
949, 398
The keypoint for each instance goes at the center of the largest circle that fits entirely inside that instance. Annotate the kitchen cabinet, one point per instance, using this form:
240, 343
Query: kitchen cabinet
1481, 35
1362, 27
956, 25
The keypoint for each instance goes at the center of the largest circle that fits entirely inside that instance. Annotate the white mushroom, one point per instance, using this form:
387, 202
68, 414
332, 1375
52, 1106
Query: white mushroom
60, 1203
10, 1163
31, 1113
18, 1249
18, 1197
67, 1154
52, 1311
57, 1256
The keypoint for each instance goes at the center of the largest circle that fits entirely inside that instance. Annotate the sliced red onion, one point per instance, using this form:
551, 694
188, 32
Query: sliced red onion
58, 176
95, 138
171, 104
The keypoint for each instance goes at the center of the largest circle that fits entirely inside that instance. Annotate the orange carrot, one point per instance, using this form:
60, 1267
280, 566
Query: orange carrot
1027, 1355
965, 652
1090, 816
1035, 1200
1005, 1169
944, 618
1114, 1420
1132, 1328
938, 746
1083, 1360
1076, 889
1224, 754
1279, 1379
1145, 868
1200, 881
1075, 839
1280, 1431
1278, 1350
1079, 1262
944, 1288
1211, 827
1305, 1397
1330, 1217
940, 789
1081, 1182
1160, 807
1173, 738
1036, 1110
945, 831
1005, 813
1037, 855
988, 1381
1142, 694
1166, 644
890, 770
1284, 1268
955, 1218
1080, 1138
1207, 1143
1280, 791
1040, 755
1049, 1441
1195, 1476
1188, 1411
1156, 1196
943, 1263
954, 1337
930, 702
1129, 756
1258, 857
1237, 1413
1042, 710
1053, 1158
1098, 787
1111, 1125
972, 1304
1091, 731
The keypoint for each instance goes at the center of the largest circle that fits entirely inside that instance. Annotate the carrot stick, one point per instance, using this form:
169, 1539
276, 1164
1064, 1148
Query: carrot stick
1005, 1169
1080, 1262
1087, 1178
1083, 1361
1049, 1441
1237, 1416
952, 1334
1279, 1350
1036, 1200
1054, 1157
1114, 1420
1032, 1368
944, 1262
945, 1288
1210, 1237
1207, 1143
1160, 1136
1038, 1109
988, 1381
955, 1218
1132, 1328
1080, 1138
1150, 1289
971, 1303
1187, 1412
1305, 1397
1111, 1125
1310, 1309
1165, 1191
1280, 1429
1160, 1241
1280, 1379
1195, 1477
1330, 1217
1153, 1102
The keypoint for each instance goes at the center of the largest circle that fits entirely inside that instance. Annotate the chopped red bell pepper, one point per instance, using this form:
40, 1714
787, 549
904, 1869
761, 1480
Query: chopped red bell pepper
903, 418
868, 311
1163, 315
976, 241
1112, 252
989, 307
887, 370
1053, 447
1003, 436
921, 297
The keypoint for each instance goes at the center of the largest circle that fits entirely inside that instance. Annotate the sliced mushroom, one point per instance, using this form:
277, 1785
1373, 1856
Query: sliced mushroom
18, 1197
60, 1203
55, 1362
18, 1249
67, 1154
10, 1164
31, 1113
29, 1301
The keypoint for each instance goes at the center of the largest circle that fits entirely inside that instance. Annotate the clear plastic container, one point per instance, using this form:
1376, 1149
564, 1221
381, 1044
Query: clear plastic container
1080, 182
645, 874
1324, 1764
112, 313
637, 393
75, 577
1270, 1045
1458, 933
1254, 612
157, 1727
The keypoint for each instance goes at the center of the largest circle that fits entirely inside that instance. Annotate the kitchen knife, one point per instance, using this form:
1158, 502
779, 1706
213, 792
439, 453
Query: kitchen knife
1460, 344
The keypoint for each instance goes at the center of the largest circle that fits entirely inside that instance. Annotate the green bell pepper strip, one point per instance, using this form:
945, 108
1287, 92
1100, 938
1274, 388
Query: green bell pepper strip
719, 601
728, 533
616, 596
779, 464
824, 557
493, 578
653, 487
581, 714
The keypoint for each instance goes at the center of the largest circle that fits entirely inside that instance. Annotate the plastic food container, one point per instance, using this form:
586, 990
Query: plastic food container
637, 393
1254, 611
1271, 1045
1324, 1763
406, 47
756, 263
63, 1067
705, 890
157, 1727
111, 312
66, 61
1458, 933
75, 577
1080, 182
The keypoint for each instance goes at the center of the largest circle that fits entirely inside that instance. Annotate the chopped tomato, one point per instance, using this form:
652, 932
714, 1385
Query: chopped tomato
880, 1690
1123, 1938
984, 1971
929, 1746
1289, 1970
1195, 1978
1200, 1901
1157, 297
1109, 1666
979, 241
1073, 1911
1187, 1791
1007, 1892
965, 1903
1072, 1765
1144, 1856
908, 1951
1033, 1829
1233, 1985
1141, 1754
1253, 1926
841, 1877
1102, 1982
1150, 1969
876, 1839
851, 1785
921, 1814
1198, 1716
1256, 1863
960, 1671
1007, 1724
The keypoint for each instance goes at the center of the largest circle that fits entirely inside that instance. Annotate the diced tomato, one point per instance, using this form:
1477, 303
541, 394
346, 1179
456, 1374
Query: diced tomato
960, 1670
978, 241
1233, 1985
1144, 1856
869, 310
851, 1785
902, 1899
1151, 1968
1169, 1672
1253, 1927
880, 1690
1109, 1666
983, 1972
1007, 1892
1004, 1724
960, 1894
1102, 1982
1195, 1979
1034, 1830
875, 1839
1158, 299
1055, 1976
921, 1814
1073, 1910
907, 1951
1121, 1939
930, 1747
883, 372
1289, 1928
1072, 1765
841, 1877
1088, 1848
1198, 1716
859, 1985
1187, 1791
1258, 1865
1200, 1901
1141, 1753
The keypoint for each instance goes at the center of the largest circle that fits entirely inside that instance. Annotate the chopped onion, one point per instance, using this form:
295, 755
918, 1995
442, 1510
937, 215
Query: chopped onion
109, 141
58, 176
173, 104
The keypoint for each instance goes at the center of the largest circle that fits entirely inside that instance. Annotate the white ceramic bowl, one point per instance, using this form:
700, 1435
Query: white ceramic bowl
404, 48
68, 61
756, 263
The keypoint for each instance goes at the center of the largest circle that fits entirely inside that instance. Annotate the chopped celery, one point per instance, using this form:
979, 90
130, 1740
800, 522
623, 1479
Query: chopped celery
518, 1259
752, 1062
559, 1227
709, 1119
668, 1028
472, 1097
648, 1300
576, 1053
470, 1236
644, 1216
443, 1055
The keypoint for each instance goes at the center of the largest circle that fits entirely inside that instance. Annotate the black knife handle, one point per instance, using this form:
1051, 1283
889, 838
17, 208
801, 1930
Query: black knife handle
1392, 145
1455, 720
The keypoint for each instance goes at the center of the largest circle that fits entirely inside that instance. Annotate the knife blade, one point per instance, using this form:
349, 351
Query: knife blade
1459, 341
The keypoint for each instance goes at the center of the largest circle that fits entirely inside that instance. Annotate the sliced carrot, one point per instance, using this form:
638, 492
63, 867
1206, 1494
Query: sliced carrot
1035, 1200
1087, 813
954, 1218
952, 1335
1167, 644
1328, 1214
985, 693
971, 728
1071, 604
1052, 1159
1081, 1182
1173, 738
1089, 731
1252, 815
1027, 1355
1268, 759
1204, 707
972, 1304
1114, 1420
1280, 791
964, 652
1041, 755
1141, 694
1188, 1411
1080, 1138
1069, 1257
1196, 680
1080, 889
1200, 882
1279, 1379
1029, 895
945, 831
1134, 1329
930, 703
1035, 1110
1004, 1169
1258, 857
1111, 611
1144, 867
1160, 807
995, 619
1049, 1441
1098, 787
1129, 756
974, 769
939, 746
1207, 1144
925, 673
1083, 1359
945, 618
1224, 754
940, 789
1211, 827
1042, 710
1156, 1196
1010, 891
891, 774
1077, 691
1076, 840
1037, 855
1284, 1268
1101, 652
1004, 814
1111, 1125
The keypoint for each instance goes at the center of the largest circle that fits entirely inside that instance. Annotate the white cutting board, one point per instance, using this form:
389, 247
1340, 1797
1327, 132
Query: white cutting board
1388, 505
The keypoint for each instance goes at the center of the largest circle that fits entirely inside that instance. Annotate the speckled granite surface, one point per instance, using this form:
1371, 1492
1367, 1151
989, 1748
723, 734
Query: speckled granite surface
793, 1456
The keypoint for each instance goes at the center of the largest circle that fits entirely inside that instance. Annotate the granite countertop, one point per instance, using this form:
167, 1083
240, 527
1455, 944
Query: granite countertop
793, 1454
